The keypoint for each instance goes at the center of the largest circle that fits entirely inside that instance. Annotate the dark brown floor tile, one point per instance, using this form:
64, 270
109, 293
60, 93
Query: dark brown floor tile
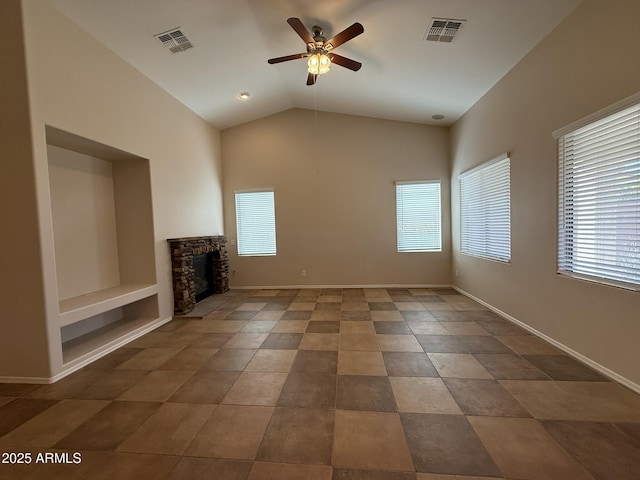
196, 468
296, 315
441, 344
382, 306
483, 344
231, 360
348, 294
602, 448
446, 444
632, 430
308, 391
16, 389
500, 327
298, 435
352, 474
112, 360
205, 387
112, 384
488, 316
392, 327
428, 298
289, 471
68, 387
188, 359
418, 316
212, 340
331, 291
399, 297
509, 367
323, 327
279, 341
408, 364
450, 316
89, 461
484, 397
109, 427
18, 411
562, 367
241, 315
371, 393
315, 362
328, 306
130, 466
174, 325
289, 292
355, 315
149, 358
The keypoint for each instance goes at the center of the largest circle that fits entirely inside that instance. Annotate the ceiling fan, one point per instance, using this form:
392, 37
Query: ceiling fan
320, 51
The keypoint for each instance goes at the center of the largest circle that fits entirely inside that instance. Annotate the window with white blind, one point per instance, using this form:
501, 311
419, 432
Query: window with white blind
485, 210
256, 223
418, 216
599, 199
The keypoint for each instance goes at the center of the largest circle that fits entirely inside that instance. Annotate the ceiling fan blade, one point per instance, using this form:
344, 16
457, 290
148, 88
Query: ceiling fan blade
344, 36
300, 29
295, 56
345, 62
311, 78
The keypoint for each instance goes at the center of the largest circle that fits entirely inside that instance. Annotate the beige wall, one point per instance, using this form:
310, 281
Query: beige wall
334, 177
572, 73
77, 85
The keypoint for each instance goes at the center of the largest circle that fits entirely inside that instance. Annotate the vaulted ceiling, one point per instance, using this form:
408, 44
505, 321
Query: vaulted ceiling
403, 76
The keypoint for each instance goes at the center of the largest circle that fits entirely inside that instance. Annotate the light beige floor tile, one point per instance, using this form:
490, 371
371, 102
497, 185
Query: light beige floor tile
582, 401
290, 326
386, 316
215, 315
267, 293
55, 423
302, 306
528, 345
156, 386
278, 361
260, 326
464, 328
421, 291
319, 341
410, 306
268, 315
189, 359
246, 340
232, 431
423, 395
330, 299
357, 327
149, 359
288, 471
399, 343
359, 341
458, 365
355, 306
428, 328
438, 306
362, 440
169, 430
523, 449
361, 363
251, 307
215, 326
256, 388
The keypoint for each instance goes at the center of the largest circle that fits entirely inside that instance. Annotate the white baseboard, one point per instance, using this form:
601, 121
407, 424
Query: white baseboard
283, 287
578, 356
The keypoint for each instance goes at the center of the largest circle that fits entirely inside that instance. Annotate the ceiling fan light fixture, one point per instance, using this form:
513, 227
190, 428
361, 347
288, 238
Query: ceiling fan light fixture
319, 63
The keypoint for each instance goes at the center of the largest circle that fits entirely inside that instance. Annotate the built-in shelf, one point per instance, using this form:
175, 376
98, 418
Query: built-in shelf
79, 308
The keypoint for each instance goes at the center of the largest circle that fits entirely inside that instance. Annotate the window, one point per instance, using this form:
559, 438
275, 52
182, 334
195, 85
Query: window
599, 199
485, 210
418, 216
256, 223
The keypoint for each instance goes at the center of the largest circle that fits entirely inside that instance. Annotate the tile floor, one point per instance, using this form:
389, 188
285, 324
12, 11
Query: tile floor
342, 384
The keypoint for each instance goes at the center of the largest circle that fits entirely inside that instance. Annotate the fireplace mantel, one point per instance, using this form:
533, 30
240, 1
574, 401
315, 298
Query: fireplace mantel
182, 252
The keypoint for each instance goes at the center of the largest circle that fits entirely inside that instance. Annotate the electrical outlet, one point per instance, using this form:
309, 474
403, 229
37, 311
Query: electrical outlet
304, 273
456, 272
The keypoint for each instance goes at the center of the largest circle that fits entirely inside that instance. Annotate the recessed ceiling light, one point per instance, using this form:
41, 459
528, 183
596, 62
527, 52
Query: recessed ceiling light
244, 95
437, 116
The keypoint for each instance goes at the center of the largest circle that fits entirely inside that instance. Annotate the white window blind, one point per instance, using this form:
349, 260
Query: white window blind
599, 200
418, 216
256, 223
485, 210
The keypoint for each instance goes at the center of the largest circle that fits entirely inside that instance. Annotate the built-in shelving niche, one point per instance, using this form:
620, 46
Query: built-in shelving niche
104, 245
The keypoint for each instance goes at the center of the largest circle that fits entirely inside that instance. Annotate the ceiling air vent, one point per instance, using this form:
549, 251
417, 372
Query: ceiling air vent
443, 29
174, 40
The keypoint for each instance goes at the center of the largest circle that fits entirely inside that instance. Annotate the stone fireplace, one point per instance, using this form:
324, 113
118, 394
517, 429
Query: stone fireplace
183, 251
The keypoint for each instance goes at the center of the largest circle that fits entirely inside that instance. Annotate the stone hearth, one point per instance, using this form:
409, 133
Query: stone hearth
182, 252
